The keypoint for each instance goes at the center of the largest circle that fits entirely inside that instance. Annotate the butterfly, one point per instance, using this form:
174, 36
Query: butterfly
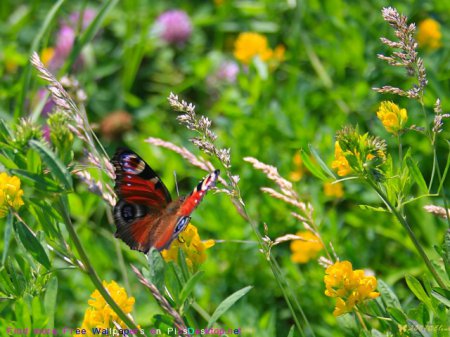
145, 214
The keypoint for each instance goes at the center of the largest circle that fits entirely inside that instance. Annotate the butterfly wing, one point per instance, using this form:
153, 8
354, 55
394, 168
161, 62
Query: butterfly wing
185, 206
142, 199
145, 214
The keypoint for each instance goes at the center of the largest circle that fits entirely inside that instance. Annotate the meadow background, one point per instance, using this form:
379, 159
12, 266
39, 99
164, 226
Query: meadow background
314, 76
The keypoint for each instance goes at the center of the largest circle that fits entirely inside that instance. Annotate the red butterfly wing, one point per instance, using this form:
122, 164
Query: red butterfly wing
145, 214
178, 212
142, 199
136, 182
193, 199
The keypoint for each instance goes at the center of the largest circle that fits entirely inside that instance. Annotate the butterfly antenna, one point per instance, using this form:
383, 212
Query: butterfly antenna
176, 182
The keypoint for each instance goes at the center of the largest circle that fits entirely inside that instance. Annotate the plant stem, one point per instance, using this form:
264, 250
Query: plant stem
282, 282
361, 320
411, 234
88, 268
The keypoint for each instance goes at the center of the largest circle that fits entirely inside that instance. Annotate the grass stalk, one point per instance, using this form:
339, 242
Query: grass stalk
88, 268
411, 234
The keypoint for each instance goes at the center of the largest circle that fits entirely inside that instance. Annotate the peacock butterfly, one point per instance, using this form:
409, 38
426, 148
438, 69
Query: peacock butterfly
145, 214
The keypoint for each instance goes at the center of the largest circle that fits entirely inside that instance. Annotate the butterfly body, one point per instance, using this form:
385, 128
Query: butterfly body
145, 215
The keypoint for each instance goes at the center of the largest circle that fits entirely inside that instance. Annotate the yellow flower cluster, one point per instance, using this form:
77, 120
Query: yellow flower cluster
349, 286
306, 249
392, 117
429, 34
191, 244
100, 315
249, 45
299, 170
10, 193
333, 190
47, 55
340, 162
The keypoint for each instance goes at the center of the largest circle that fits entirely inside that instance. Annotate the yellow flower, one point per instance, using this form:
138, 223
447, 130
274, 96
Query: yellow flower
340, 163
429, 34
349, 286
392, 117
303, 251
100, 315
278, 53
191, 244
333, 190
299, 170
47, 55
249, 45
10, 193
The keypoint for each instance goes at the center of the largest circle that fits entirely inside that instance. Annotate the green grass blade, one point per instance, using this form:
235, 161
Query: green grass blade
57, 168
25, 80
50, 301
189, 286
388, 295
416, 175
89, 33
32, 244
227, 303
7, 237
444, 175
416, 287
157, 268
313, 168
38, 181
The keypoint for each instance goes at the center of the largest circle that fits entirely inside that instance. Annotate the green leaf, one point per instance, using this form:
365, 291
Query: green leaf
5, 134
444, 175
6, 285
25, 80
7, 236
57, 168
89, 33
398, 315
376, 333
32, 244
38, 313
291, 331
227, 303
442, 296
373, 209
189, 286
416, 287
8, 163
40, 182
50, 301
47, 217
23, 316
313, 168
183, 265
446, 252
33, 161
388, 296
157, 268
416, 174
416, 330
322, 164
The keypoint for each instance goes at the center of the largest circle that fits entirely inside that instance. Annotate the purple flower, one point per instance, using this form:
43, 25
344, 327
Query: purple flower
46, 133
64, 41
88, 16
174, 27
49, 104
228, 71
